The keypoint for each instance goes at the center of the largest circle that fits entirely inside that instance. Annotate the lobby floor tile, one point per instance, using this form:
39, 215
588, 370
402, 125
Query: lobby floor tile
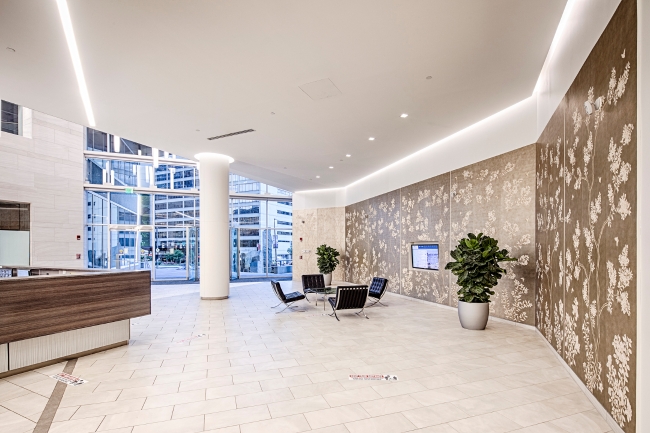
257, 371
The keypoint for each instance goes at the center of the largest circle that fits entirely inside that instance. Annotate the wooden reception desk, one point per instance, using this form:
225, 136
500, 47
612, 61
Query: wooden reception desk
56, 314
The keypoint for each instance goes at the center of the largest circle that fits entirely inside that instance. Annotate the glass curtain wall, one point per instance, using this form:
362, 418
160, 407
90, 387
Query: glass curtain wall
261, 231
158, 228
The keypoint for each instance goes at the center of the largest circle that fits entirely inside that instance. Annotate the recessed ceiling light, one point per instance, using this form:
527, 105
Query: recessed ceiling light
371, 138
331, 166
429, 77
198, 130
404, 115
317, 177
348, 155
64, 13
272, 112
285, 168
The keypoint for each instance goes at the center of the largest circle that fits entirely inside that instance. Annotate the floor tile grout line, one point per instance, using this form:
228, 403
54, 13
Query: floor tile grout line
49, 412
14, 412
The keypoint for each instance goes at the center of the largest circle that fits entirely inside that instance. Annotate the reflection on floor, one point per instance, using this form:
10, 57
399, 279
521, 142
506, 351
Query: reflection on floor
237, 367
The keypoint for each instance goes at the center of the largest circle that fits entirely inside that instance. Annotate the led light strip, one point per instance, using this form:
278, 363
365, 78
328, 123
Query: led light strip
556, 40
64, 12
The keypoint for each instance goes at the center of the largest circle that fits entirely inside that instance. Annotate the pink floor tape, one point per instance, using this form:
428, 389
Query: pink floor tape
68, 379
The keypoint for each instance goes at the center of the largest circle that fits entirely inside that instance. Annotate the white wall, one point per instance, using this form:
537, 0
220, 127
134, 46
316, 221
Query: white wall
643, 215
47, 171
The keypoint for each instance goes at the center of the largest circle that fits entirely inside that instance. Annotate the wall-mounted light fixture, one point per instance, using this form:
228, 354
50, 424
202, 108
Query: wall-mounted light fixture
598, 104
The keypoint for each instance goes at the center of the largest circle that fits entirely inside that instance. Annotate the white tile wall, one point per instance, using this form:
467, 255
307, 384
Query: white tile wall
47, 172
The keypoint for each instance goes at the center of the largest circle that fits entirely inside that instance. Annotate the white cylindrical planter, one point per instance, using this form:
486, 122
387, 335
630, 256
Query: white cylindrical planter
473, 315
214, 233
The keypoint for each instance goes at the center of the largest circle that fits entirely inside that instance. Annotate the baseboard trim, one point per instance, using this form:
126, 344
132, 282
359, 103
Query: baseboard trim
61, 359
599, 407
218, 298
447, 307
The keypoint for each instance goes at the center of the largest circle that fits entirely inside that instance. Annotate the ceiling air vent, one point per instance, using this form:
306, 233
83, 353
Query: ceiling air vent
245, 131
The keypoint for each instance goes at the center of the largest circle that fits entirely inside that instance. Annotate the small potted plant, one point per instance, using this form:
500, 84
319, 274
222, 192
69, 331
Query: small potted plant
477, 267
327, 261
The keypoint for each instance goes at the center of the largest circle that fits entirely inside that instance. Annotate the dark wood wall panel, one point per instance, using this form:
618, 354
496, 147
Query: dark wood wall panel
36, 306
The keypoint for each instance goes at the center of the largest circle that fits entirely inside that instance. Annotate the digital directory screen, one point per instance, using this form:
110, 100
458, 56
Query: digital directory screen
424, 256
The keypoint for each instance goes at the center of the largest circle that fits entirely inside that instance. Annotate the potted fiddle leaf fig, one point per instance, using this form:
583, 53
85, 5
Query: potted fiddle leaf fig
477, 267
327, 261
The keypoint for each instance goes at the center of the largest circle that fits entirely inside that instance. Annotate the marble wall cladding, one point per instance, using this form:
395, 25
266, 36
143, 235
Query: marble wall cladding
317, 227
586, 189
493, 196
46, 169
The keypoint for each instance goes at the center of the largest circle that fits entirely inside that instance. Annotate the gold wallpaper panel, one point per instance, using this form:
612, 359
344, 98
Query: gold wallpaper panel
494, 196
586, 221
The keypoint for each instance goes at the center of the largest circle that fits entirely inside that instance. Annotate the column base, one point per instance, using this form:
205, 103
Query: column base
218, 298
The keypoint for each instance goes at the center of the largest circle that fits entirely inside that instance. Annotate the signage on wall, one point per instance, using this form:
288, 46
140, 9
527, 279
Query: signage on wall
128, 190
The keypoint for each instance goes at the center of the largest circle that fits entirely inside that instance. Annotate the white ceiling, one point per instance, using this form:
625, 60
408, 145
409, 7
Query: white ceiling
159, 70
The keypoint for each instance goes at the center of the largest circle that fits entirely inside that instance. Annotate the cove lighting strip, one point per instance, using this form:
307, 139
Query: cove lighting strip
64, 12
559, 32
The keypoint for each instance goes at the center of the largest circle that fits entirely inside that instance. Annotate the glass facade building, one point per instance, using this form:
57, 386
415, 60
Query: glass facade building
143, 212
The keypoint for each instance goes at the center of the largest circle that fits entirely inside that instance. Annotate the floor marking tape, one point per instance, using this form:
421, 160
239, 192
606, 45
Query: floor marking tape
68, 379
372, 377
191, 338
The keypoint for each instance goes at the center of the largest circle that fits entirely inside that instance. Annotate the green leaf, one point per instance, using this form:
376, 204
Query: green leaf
476, 264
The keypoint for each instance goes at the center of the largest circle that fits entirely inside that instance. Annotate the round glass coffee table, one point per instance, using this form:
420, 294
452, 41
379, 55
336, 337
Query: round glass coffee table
327, 290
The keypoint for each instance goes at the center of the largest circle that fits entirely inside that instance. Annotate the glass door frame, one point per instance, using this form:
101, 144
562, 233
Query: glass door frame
138, 230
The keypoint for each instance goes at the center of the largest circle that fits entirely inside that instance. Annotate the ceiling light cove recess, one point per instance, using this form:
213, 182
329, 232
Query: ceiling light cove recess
348, 155
331, 166
404, 115
371, 138
66, 21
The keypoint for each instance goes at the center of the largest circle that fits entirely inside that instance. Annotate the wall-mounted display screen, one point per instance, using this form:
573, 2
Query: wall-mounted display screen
424, 256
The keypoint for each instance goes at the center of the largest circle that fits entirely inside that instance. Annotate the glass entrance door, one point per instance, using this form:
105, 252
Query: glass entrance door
192, 253
171, 255
130, 249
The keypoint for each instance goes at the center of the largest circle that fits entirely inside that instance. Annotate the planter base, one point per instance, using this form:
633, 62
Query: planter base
327, 279
473, 315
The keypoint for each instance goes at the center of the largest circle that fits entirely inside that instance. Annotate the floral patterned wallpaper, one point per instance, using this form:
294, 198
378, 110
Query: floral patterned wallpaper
494, 196
586, 221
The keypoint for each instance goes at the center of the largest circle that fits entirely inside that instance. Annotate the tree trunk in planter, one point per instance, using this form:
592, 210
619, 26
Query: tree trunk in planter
473, 315
327, 278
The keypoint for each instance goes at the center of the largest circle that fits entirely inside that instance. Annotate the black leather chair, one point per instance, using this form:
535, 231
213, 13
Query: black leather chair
313, 283
287, 299
377, 290
349, 298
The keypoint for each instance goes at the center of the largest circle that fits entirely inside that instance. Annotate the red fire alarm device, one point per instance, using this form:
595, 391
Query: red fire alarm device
300, 257
78, 237
78, 256
300, 239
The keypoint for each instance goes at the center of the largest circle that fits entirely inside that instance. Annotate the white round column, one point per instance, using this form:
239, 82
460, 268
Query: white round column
214, 232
